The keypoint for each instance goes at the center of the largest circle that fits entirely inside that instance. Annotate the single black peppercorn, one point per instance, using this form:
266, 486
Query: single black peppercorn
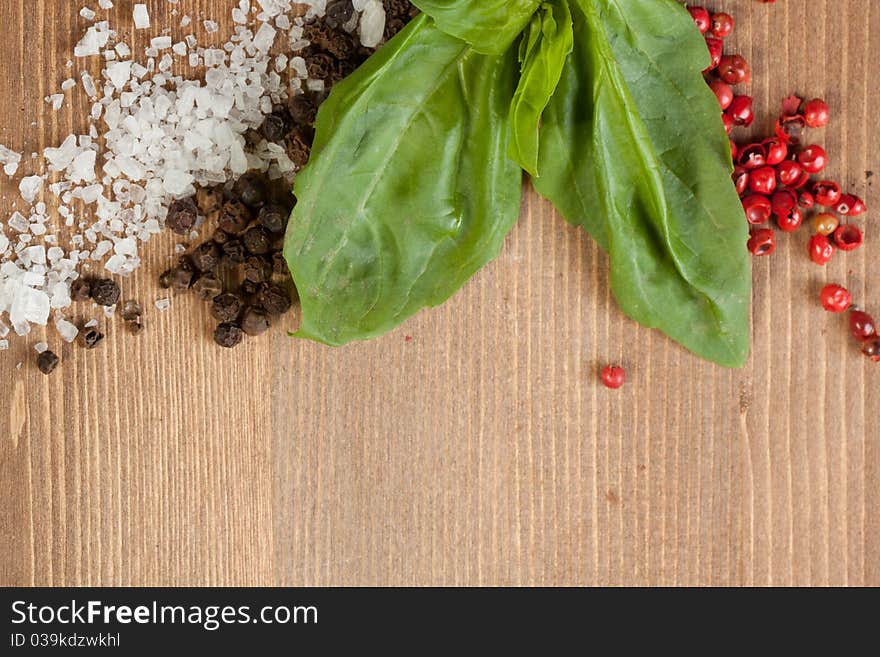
220, 237
275, 126
80, 290
275, 299
228, 335
338, 12
234, 217
206, 257
181, 278
273, 217
209, 199
257, 269
297, 149
165, 278
279, 265
131, 311
257, 241
207, 287
255, 321
47, 362
226, 307
303, 108
105, 292
183, 215
90, 338
234, 252
251, 190
248, 288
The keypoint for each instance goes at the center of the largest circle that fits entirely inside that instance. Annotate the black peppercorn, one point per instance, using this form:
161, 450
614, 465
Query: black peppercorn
183, 215
248, 289
234, 217
257, 241
279, 265
273, 217
105, 292
206, 257
276, 125
220, 236
234, 252
320, 66
251, 190
47, 362
303, 108
338, 12
255, 321
207, 287
165, 278
275, 299
297, 149
226, 307
80, 290
136, 326
228, 335
90, 338
209, 199
131, 311
180, 278
257, 269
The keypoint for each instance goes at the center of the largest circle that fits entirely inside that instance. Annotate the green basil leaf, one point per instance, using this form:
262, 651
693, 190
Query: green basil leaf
409, 191
490, 26
542, 54
634, 151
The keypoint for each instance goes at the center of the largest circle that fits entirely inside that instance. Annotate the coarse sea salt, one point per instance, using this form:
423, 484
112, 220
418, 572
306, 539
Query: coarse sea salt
141, 17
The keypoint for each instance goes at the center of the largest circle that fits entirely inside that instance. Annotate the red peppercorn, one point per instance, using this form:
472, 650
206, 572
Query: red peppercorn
802, 181
762, 242
816, 113
835, 298
813, 159
821, 249
827, 193
790, 129
613, 376
758, 209
741, 111
734, 69
783, 201
805, 199
788, 172
862, 325
848, 237
740, 179
716, 51
723, 93
763, 180
753, 156
701, 17
857, 206
790, 221
825, 223
776, 151
871, 349
728, 122
722, 25
846, 204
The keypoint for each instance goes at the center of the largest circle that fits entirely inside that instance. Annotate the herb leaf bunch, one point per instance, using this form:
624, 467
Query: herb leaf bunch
416, 172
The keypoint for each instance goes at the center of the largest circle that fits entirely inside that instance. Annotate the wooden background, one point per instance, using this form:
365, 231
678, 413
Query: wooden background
483, 451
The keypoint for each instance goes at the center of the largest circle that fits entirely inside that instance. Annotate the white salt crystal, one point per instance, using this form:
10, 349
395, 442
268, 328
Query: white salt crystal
57, 101
239, 16
122, 49
4, 345
210, 27
105, 4
141, 17
119, 73
29, 187
4, 330
179, 48
161, 42
88, 84
163, 304
91, 43
69, 83
372, 26
10, 169
18, 222
87, 13
83, 167
185, 21
66, 330
40, 347
265, 37
4, 242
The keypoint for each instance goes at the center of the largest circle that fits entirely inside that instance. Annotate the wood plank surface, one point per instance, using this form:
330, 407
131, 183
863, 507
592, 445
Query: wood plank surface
483, 450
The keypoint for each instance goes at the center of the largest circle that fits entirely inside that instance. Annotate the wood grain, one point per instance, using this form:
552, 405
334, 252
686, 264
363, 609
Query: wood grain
483, 451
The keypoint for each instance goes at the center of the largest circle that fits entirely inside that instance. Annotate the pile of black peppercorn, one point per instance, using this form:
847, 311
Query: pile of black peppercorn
240, 270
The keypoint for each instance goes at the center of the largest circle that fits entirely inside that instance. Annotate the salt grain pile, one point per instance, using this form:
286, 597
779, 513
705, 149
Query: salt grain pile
163, 134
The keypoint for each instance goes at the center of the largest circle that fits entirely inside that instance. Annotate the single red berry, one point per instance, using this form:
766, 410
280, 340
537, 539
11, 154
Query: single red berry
862, 325
871, 349
788, 172
790, 129
613, 376
722, 25
728, 122
741, 110
827, 193
813, 159
763, 180
740, 179
816, 113
857, 206
835, 298
701, 17
758, 209
783, 201
802, 181
825, 223
734, 69
790, 221
762, 242
849, 206
753, 156
848, 237
723, 93
805, 199
821, 249
776, 151
716, 52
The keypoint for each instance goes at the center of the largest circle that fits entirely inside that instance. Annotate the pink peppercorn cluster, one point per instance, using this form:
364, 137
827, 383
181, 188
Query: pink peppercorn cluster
862, 327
